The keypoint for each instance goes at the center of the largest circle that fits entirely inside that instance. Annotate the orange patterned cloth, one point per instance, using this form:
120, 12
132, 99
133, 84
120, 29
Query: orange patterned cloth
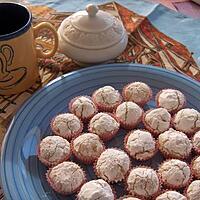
147, 45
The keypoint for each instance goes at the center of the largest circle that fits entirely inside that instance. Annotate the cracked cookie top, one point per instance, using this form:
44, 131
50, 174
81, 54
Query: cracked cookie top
196, 167
53, 150
172, 100
187, 120
175, 173
157, 120
103, 124
96, 189
196, 141
66, 177
129, 114
83, 107
174, 144
128, 198
137, 92
112, 165
192, 191
88, 145
171, 195
143, 182
140, 144
107, 98
66, 125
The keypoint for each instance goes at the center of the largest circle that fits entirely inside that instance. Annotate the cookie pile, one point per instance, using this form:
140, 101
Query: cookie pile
170, 129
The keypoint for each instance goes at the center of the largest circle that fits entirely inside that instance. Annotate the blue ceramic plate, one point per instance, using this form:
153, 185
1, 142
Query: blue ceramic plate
23, 176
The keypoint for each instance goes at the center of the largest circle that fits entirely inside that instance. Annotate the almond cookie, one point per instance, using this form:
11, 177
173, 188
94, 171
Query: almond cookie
83, 107
140, 144
96, 189
174, 144
187, 120
107, 98
171, 195
193, 190
170, 99
67, 125
196, 167
157, 120
104, 125
129, 114
112, 165
143, 182
196, 142
175, 173
87, 147
66, 178
137, 92
53, 150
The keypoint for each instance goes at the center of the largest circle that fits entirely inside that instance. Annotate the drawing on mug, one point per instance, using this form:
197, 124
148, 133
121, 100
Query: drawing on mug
9, 77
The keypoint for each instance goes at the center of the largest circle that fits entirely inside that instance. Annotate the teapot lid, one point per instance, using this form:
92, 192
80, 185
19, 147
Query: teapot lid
92, 29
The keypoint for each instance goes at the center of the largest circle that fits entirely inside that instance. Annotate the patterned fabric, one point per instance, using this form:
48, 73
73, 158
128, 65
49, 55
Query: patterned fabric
146, 45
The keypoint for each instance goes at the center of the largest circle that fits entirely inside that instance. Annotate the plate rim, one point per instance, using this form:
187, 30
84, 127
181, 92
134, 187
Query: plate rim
76, 72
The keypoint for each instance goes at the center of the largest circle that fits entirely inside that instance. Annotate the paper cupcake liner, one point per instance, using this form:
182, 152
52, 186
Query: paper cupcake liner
127, 126
52, 164
67, 136
153, 196
84, 159
141, 103
185, 192
172, 111
58, 190
106, 108
154, 132
106, 179
107, 135
132, 156
195, 172
188, 133
170, 186
167, 155
84, 119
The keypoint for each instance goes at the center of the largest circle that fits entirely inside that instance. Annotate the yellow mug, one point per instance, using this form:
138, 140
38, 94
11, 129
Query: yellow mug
18, 52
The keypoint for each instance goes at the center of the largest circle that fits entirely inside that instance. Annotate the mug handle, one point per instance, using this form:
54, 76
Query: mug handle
49, 26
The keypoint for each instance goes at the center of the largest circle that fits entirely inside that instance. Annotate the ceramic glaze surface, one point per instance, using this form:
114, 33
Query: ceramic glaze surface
94, 30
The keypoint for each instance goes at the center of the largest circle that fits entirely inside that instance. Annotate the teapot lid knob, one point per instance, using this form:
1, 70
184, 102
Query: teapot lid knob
92, 10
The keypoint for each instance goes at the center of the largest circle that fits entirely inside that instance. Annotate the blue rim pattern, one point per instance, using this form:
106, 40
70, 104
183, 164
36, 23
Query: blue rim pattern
31, 122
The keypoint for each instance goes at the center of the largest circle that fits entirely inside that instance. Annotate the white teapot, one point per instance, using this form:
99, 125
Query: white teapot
92, 36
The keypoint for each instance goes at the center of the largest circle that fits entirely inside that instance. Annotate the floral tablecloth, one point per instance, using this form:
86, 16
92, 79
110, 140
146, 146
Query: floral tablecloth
149, 43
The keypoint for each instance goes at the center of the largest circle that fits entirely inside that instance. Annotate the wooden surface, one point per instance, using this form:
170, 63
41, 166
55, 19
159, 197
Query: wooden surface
186, 7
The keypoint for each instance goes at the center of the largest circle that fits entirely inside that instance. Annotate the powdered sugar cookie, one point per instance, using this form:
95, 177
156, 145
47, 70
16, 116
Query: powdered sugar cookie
112, 165
129, 114
187, 120
104, 125
157, 120
170, 99
137, 92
